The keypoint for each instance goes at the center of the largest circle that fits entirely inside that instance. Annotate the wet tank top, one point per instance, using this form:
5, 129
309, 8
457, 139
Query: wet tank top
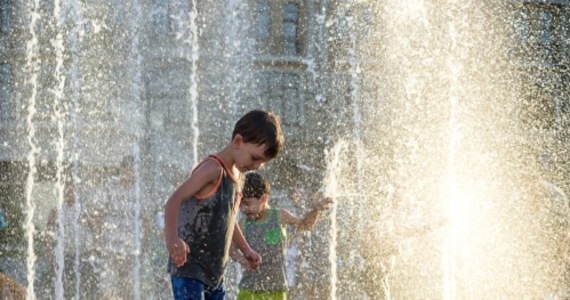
207, 225
268, 239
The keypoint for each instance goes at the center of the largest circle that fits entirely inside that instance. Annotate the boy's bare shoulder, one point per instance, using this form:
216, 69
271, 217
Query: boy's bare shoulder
205, 173
208, 167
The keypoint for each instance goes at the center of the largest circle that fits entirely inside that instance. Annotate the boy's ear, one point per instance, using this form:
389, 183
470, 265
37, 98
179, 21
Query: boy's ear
264, 199
237, 140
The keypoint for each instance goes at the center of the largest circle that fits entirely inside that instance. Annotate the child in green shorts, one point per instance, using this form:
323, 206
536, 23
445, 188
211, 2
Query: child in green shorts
264, 227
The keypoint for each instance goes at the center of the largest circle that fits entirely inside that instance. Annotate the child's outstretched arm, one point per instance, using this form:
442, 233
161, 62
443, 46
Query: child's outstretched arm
310, 218
201, 181
417, 231
252, 257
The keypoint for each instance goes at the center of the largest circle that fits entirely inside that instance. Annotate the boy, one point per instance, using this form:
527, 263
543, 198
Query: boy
264, 227
200, 215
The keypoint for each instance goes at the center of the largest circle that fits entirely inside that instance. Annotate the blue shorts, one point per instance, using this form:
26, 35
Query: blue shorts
192, 289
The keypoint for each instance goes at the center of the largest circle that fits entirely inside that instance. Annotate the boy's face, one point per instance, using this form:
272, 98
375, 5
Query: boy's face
251, 207
249, 157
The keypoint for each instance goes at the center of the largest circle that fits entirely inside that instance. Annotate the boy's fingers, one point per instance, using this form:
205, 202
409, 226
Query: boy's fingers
178, 253
180, 260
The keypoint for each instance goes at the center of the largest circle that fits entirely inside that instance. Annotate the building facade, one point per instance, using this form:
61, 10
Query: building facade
85, 87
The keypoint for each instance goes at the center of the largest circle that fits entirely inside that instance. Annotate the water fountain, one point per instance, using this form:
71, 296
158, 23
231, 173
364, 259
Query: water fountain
420, 107
449, 120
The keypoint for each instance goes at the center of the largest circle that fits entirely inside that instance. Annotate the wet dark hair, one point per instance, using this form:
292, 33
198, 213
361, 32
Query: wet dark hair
255, 185
260, 127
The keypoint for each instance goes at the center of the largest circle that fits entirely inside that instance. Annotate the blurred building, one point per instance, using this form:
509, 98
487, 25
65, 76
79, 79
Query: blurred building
85, 85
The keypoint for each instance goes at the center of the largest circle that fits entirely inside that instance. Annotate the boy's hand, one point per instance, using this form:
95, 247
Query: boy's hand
253, 258
324, 203
245, 264
178, 252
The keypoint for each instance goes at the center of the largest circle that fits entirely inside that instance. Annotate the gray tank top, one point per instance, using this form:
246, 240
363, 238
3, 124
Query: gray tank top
207, 226
268, 239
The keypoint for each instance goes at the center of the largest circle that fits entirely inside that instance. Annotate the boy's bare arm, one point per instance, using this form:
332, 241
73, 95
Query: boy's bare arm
236, 255
238, 239
310, 218
202, 178
417, 231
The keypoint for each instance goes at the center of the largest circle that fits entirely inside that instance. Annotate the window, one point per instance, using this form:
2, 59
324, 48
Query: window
262, 27
280, 92
290, 25
6, 106
159, 14
278, 27
5, 11
538, 106
538, 29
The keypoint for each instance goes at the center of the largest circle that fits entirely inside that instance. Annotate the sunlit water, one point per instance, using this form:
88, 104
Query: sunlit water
31, 80
423, 128
331, 189
74, 36
194, 56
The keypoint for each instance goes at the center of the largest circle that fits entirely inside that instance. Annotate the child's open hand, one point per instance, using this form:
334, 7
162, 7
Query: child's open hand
244, 263
253, 258
178, 252
324, 203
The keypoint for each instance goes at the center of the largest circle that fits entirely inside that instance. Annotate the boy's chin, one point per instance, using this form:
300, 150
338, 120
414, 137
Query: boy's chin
253, 217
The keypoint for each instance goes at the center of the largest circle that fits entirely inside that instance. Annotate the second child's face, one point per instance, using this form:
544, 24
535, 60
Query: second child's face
251, 207
250, 157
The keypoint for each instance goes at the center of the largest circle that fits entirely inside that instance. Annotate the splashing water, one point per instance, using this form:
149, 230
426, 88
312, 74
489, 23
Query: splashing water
414, 103
194, 56
138, 225
454, 196
135, 66
73, 38
31, 54
331, 190
60, 148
